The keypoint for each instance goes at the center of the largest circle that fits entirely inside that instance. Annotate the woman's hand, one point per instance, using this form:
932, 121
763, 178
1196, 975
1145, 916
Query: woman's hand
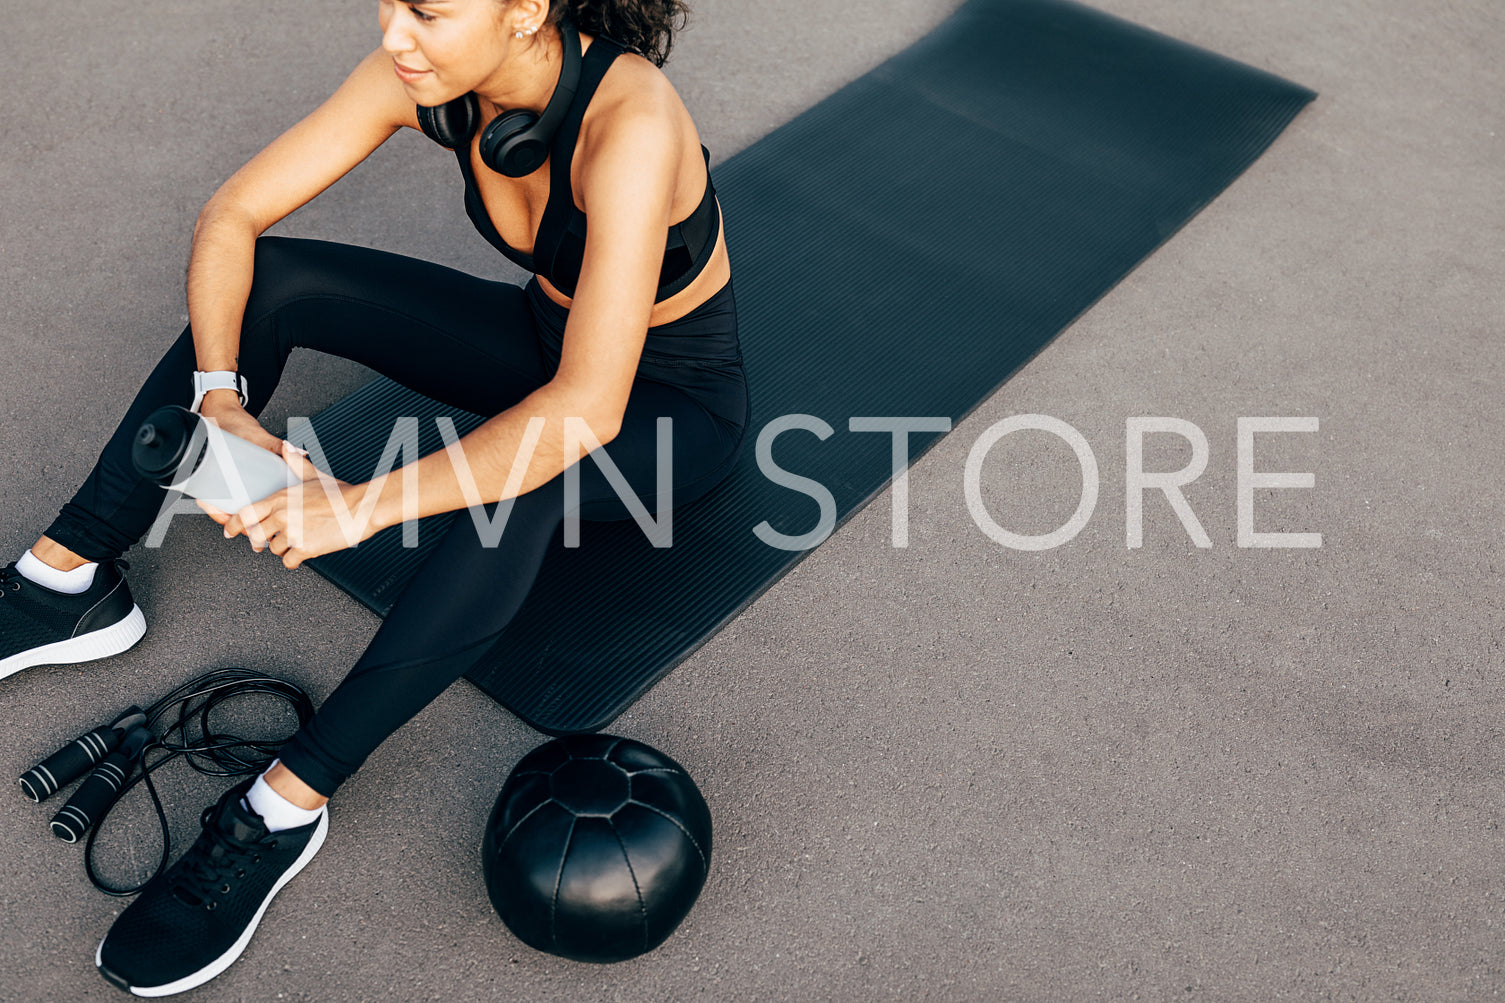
302, 521
224, 407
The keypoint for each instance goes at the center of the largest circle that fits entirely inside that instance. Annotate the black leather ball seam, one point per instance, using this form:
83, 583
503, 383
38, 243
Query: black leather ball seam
519, 823
637, 888
564, 856
705, 861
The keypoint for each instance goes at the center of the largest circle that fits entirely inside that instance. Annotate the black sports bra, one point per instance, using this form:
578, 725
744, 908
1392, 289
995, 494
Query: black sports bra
559, 246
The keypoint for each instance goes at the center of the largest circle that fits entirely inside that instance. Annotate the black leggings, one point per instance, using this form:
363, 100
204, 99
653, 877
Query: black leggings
472, 344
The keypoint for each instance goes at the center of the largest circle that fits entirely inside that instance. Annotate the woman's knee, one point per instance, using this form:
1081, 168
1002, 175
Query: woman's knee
664, 464
286, 271
283, 269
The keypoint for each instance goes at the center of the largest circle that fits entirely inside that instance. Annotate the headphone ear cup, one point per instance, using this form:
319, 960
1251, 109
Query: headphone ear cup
451, 124
511, 146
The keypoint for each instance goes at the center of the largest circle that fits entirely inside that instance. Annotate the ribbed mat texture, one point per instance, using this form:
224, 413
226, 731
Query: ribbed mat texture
901, 249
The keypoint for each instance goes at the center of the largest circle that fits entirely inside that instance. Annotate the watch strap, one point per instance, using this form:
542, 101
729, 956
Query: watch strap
222, 379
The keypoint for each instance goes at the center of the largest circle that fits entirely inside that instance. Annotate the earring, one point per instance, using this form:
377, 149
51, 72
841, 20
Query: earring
526, 34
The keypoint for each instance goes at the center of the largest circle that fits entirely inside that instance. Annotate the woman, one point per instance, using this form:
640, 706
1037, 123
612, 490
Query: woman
634, 322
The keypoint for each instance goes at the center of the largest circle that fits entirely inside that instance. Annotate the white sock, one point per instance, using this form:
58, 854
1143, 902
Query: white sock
68, 582
275, 810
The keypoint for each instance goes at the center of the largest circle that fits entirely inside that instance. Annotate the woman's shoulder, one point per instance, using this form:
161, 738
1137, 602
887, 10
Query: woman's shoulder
632, 77
634, 95
380, 92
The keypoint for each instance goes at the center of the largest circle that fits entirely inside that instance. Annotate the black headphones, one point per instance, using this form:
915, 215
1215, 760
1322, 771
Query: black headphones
516, 143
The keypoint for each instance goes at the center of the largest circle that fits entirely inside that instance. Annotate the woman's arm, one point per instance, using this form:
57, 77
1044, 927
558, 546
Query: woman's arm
309, 157
628, 182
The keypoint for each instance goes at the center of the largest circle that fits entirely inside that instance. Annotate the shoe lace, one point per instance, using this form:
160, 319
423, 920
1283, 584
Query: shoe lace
216, 859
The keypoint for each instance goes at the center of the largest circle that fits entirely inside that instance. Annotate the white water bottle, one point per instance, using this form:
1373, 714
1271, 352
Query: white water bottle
183, 451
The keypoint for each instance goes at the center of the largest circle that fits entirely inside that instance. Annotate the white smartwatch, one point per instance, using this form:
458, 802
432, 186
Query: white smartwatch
220, 380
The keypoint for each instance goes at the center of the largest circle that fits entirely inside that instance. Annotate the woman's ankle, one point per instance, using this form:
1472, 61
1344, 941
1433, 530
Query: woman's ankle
286, 783
278, 811
56, 556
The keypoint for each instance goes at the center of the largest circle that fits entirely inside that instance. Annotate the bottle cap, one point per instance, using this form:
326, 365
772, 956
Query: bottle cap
162, 442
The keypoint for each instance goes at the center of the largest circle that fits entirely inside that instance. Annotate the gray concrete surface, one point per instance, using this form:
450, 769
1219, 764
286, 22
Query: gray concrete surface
951, 771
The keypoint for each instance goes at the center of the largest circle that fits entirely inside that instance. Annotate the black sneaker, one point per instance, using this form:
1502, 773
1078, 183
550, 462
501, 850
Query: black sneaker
194, 920
41, 627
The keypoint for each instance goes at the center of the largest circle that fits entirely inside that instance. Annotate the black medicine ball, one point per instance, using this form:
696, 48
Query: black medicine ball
597, 848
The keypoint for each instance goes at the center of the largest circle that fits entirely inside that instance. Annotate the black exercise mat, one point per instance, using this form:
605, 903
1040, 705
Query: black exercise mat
902, 248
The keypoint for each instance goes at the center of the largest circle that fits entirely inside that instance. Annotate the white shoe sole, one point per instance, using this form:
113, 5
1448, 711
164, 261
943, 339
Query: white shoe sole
227, 959
102, 643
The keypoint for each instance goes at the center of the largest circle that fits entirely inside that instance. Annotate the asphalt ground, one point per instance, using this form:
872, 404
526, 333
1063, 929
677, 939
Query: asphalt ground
946, 771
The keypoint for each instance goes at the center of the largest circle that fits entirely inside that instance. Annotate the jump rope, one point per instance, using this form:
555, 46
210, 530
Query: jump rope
115, 752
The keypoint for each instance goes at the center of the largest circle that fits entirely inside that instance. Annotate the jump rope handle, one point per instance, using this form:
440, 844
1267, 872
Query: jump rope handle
100, 788
75, 759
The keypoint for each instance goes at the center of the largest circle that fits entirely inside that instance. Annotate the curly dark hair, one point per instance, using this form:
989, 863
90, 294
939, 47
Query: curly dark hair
646, 25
